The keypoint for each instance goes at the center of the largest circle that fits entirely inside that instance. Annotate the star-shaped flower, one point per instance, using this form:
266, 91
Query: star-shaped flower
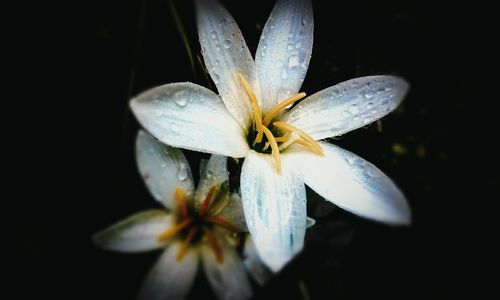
196, 226
254, 118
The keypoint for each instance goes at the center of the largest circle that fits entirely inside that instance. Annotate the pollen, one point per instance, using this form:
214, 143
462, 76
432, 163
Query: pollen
261, 126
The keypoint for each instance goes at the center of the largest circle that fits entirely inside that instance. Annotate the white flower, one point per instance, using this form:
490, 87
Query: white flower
195, 227
252, 119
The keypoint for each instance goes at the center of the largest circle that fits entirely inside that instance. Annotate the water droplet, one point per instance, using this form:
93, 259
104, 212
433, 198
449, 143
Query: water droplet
214, 34
216, 78
202, 99
217, 48
369, 105
298, 45
368, 95
374, 111
180, 99
289, 47
174, 128
354, 109
293, 61
366, 121
388, 89
290, 35
227, 44
182, 174
284, 74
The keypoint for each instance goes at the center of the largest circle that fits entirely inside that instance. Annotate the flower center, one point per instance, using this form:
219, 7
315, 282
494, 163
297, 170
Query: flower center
262, 136
194, 225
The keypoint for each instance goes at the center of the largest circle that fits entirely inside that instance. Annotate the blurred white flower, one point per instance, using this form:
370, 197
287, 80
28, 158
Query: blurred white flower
253, 118
196, 225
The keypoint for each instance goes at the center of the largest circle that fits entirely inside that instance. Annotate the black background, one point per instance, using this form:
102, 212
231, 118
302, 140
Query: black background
68, 166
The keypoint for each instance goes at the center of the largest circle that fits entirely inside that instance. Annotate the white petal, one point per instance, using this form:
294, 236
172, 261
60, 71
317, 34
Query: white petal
225, 54
254, 265
163, 168
189, 116
228, 279
352, 183
284, 51
347, 105
169, 278
275, 208
214, 175
137, 233
232, 211
310, 222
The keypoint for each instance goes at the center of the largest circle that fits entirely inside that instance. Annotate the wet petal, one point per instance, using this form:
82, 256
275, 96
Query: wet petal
275, 208
225, 54
284, 51
348, 105
189, 116
214, 175
163, 168
169, 278
352, 183
136, 233
228, 278
254, 265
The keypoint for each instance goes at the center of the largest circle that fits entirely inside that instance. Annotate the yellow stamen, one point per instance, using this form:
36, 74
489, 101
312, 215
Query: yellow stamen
312, 148
221, 222
279, 107
312, 143
181, 201
174, 230
206, 202
274, 147
281, 139
185, 244
253, 101
212, 240
292, 138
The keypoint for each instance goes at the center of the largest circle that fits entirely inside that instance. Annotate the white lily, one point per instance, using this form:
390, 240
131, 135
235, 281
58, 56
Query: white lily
195, 227
252, 119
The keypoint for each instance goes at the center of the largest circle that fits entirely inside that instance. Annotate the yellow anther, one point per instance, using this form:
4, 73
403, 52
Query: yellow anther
174, 230
274, 147
253, 101
312, 143
185, 244
279, 107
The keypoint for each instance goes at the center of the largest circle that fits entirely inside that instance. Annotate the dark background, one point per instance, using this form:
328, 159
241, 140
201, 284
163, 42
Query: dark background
68, 166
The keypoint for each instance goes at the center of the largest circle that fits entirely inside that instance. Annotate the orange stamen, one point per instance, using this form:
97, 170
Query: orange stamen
185, 245
206, 202
181, 201
174, 230
221, 222
212, 240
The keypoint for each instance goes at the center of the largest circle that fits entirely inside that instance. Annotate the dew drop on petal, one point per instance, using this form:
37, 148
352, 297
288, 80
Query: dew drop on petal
227, 44
293, 61
214, 34
182, 173
174, 128
180, 99
284, 74
354, 109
